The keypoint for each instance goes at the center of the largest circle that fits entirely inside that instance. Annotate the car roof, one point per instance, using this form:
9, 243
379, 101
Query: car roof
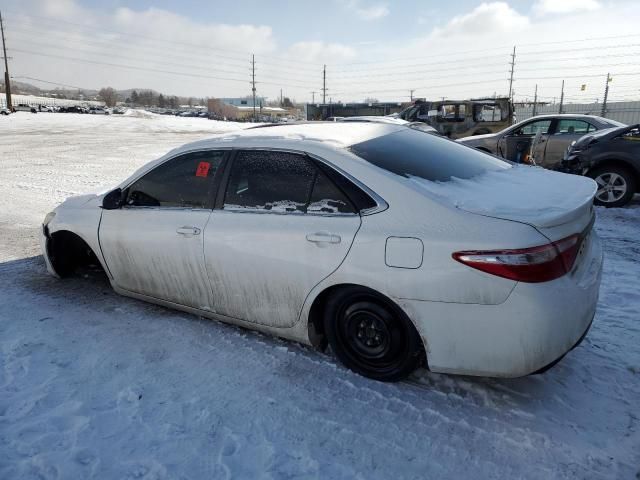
336, 134
567, 115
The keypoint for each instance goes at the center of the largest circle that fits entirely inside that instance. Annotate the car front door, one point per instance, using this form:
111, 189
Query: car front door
567, 130
516, 144
281, 228
153, 244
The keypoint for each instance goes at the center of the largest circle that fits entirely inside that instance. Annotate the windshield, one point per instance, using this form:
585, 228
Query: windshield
413, 153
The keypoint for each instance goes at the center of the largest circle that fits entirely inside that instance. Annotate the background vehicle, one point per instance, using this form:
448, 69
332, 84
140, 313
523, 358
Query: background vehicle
72, 109
612, 158
389, 119
4, 111
23, 107
461, 118
333, 232
555, 134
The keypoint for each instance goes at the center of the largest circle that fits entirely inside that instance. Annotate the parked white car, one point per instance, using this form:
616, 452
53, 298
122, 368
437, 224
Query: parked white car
396, 246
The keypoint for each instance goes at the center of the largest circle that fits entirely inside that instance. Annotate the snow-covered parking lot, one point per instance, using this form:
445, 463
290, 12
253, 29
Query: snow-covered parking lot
94, 385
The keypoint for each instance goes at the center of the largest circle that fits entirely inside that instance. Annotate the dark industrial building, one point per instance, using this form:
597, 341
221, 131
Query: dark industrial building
322, 111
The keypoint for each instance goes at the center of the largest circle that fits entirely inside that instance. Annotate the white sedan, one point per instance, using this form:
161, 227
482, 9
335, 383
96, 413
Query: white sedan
397, 247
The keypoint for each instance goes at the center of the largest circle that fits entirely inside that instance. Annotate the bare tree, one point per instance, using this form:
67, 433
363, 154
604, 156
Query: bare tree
221, 109
109, 96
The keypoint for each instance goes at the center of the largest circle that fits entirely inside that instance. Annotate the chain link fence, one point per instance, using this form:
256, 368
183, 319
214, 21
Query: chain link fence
625, 112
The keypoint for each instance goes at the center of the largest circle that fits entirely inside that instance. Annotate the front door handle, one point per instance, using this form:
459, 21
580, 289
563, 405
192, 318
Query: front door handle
188, 231
323, 237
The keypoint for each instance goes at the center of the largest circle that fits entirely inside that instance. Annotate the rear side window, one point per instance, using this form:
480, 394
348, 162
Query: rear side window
270, 180
326, 198
412, 153
574, 127
283, 182
185, 181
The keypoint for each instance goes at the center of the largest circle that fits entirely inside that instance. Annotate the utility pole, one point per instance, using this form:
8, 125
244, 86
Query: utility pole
513, 64
535, 101
281, 98
313, 97
7, 82
561, 98
324, 84
411, 94
253, 83
603, 112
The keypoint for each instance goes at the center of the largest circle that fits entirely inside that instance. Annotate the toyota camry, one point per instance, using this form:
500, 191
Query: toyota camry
395, 247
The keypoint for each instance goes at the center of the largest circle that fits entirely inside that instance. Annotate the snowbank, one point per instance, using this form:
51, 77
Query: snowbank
94, 385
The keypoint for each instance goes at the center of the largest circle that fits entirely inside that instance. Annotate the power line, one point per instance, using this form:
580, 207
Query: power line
93, 28
229, 61
155, 70
171, 64
50, 83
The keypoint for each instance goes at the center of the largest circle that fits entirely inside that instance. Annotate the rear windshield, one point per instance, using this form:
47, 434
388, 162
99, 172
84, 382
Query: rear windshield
614, 123
412, 153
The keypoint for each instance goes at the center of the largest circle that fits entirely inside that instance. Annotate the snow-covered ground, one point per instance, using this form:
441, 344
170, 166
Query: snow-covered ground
94, 385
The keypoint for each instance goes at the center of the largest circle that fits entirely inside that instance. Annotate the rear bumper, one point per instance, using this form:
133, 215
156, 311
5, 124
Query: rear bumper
530, 332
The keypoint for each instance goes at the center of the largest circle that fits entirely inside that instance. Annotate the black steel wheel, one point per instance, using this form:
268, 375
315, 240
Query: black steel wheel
371, 335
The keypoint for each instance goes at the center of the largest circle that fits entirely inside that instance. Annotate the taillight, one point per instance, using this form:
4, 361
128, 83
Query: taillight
533, 265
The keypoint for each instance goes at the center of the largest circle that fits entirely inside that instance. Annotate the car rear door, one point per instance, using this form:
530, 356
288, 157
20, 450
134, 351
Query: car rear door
567, 130
281, 227
153, 244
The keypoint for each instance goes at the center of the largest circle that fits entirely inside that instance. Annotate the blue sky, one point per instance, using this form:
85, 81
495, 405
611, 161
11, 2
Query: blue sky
372, 48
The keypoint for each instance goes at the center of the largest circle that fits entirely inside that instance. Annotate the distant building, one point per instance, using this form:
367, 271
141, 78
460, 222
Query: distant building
244, 101
242, 108
322, 111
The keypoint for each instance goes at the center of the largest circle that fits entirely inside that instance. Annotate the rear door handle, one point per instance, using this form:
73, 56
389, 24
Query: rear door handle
323, 237
188, 231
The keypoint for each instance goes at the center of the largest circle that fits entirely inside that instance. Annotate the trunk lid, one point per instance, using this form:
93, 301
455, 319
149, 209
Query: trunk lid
556, 204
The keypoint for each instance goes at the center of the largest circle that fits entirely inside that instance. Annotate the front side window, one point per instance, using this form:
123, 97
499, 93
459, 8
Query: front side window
412, 153
533, 128
185, 181
571, 127
282, 182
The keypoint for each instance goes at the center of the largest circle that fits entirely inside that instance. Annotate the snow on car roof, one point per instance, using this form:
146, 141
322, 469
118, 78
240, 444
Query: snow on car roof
339, 134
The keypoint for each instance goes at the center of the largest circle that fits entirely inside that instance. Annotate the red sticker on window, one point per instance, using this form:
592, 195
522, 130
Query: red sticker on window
203, 169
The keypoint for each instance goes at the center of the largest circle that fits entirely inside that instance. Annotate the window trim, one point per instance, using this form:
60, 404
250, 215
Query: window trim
380, 206
214, 188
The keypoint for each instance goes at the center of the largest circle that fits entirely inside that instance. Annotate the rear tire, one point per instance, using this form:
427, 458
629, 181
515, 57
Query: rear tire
370, 335
616, 186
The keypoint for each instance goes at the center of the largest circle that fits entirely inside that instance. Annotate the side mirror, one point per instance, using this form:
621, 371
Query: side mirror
112, 200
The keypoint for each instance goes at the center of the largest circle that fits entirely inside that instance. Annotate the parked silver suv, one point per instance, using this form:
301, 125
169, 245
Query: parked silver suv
552, 135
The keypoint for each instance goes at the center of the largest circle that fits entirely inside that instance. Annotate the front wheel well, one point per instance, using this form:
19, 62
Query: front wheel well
67, 251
